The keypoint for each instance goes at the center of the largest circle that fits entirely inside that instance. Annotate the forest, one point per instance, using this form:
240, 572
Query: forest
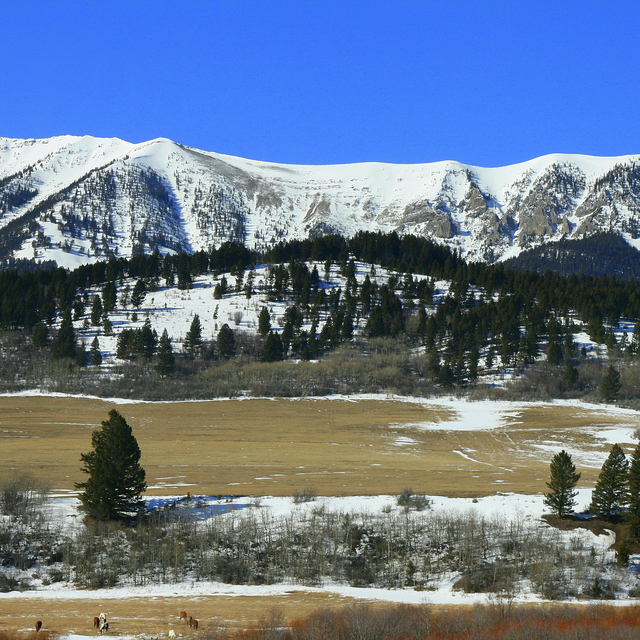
435, 324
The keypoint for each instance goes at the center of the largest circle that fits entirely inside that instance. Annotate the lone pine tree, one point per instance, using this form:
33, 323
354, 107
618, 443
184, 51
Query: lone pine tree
611, 493
561, 497
116, 479
633, 517
611, 385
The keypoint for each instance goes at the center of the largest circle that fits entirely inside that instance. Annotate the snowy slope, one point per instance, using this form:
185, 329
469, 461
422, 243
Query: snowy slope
76, 199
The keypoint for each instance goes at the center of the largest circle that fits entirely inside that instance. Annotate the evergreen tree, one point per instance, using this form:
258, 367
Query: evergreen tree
64, 345
272, 349
139, 293
96, 311
95, 357
40, 337
109, 295
634, 494
147, 340
561, 498
226, 342
611, 493
192, 343
166, 364
81, 355
116, 480
611, 385
264, 322
571, 374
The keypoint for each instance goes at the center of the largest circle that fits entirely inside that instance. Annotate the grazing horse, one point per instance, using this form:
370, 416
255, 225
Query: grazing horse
172, 634
38, 625
96, 623
103, 625
183, 615
193, 623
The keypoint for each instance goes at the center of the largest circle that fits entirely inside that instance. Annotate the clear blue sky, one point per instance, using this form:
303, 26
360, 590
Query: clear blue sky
329, 81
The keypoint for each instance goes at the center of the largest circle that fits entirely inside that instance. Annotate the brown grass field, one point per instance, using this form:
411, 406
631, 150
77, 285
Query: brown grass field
277, 447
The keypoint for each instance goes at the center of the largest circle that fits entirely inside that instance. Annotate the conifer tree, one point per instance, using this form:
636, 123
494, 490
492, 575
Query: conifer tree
116, 479
561, 497
273, 349
226, 342
96, 311
264, 322
166, 364
634, 494
611, 385
95, 357
192, 343
64, 344
611, 491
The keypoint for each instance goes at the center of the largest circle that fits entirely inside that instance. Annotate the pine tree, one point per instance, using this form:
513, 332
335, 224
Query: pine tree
561, 498
95, 357
611, 385
64, 344
226, 342
611, 493
634, 494
166, 364
116, 480
139, 293
264, 322
192, 343
96, 311
272, 349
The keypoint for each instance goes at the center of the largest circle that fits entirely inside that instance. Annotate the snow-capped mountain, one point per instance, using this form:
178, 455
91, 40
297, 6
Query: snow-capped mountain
75, 199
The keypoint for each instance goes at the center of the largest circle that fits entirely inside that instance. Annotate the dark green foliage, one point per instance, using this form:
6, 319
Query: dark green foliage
561, 496
139, 293
272, 349
96, 311
40, 335
192, 343
633, 516
64, 344
116, 480
604, 254
134, 343
95, 357
264, 321
166, 364
611, 491
611, 385
226, 342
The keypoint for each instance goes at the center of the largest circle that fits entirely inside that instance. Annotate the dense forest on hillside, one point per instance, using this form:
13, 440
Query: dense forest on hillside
434, 323
598, 255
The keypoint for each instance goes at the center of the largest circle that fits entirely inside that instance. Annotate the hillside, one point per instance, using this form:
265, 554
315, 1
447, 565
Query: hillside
75, 200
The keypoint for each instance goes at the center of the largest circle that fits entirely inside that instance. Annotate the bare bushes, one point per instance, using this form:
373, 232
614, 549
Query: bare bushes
21, 494
423, 622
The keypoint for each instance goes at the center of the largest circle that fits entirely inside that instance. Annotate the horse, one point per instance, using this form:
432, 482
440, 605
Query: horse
193, 623
96, 623
183, 615
38, 625
172, 634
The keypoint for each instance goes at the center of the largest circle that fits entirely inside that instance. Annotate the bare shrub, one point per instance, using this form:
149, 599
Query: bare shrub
306, 495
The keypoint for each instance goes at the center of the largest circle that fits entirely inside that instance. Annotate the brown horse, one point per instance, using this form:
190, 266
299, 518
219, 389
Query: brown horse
193, 623
96, 622
38, 625
183, 616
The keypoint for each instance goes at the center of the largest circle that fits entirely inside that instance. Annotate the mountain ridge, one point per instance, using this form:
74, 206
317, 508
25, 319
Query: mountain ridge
77, 199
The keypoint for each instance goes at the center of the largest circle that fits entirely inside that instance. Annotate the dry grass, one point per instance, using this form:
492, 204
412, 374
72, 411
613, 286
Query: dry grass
277, 447
133, 616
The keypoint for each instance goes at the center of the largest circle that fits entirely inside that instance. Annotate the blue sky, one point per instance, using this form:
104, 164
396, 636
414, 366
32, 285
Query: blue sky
323, 81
